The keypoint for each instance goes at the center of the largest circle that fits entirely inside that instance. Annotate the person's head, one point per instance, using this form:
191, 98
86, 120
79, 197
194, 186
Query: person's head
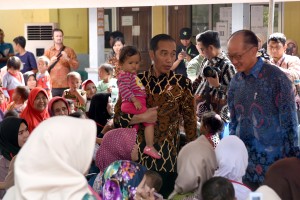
74, 80
242, 49
1, 36
198, 44
71, 106
30, 80
20, 94
276, 45
19, 43
14, 64
218, 188
89, 87
58, 106
185, 36
11, 113
113, 35
211, 123
2, 97
162, 53
13, 135
43, 63
291, 47
122, 178
130, 59
38, 99
70, 156
117, 45
117, 144
209, 44
105, 71
232, 158
153, 180
58, 36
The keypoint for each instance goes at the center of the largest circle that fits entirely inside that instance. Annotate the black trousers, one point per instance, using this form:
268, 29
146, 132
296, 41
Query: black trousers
58, 91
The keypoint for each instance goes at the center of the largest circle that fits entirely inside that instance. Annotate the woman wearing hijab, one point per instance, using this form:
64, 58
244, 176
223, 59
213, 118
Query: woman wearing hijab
99, 110
51, 166
117, 144
13, 135
284, 178
232, 158
58, 106
196, 163
36, 110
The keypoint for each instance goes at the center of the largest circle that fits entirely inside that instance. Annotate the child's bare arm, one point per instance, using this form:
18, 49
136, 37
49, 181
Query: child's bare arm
81, 98
136, 102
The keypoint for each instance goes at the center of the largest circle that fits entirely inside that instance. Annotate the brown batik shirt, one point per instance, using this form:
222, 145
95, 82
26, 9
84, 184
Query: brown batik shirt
172, 93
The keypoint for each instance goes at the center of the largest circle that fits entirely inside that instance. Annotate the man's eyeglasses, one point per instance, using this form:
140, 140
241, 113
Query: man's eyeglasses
238, 57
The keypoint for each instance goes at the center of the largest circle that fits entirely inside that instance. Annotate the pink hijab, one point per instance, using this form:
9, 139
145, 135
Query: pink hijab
117, 144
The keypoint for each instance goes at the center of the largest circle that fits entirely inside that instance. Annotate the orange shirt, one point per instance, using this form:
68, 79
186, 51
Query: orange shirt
63, 66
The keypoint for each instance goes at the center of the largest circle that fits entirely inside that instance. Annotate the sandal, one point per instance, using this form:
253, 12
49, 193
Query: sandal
151, 151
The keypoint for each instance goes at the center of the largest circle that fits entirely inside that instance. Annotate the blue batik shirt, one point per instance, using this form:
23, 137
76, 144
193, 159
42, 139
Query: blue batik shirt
263, 114
5, 49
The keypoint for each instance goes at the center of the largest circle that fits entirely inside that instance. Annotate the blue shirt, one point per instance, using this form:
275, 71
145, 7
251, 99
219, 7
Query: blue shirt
5, 49
28, 60
263, 114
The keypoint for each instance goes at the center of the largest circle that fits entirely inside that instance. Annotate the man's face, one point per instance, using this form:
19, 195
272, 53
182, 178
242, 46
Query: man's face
185, 42
1, 36
206, 52
276, 49
58, 37
163, 57
241, 56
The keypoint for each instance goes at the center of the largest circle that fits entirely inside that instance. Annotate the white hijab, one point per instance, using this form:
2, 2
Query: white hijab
52, 162
232, 158
196, 164
266, 193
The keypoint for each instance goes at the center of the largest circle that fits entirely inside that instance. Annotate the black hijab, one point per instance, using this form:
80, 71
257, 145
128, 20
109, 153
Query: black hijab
98, 111
9, 131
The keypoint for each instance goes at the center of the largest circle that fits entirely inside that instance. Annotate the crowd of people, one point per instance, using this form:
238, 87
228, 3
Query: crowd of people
198, 124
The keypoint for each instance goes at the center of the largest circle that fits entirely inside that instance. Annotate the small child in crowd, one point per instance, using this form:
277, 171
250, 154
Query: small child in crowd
30, 80
107, 83
211, 126
3, 101
218, 188
19, 98
43, 76
13, 78
75, 94
133, 94
151, 180
90, 88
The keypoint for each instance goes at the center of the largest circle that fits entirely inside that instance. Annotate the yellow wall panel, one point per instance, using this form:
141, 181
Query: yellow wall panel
292, 21
159, 20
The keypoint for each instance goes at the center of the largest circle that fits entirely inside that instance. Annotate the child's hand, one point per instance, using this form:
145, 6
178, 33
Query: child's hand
137, 105
109, 90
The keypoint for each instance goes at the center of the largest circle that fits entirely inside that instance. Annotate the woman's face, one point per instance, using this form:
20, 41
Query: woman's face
40, 102
59, 108
91, 90
31, 82
135, 153
117, 47
23, 134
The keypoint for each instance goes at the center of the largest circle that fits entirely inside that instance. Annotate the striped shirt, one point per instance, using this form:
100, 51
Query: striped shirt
130, 85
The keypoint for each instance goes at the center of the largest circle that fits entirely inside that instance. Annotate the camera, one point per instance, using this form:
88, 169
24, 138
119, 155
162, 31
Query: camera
210, 71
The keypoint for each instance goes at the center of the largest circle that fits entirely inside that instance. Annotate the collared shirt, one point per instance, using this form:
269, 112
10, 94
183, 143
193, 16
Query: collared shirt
172, 93
263, 114
59, 72
192, 51
290, 65
211, 98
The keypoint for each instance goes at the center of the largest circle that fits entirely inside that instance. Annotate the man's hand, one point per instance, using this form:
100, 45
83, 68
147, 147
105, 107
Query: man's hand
214, 82
150, 116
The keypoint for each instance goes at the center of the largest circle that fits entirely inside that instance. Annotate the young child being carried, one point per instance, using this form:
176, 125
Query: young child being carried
19, 98
43, 76
75, 94
133, 93
13, 78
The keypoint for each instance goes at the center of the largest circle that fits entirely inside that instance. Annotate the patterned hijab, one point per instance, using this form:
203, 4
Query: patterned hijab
30, 114
52, 163
117, 144
9, 131
120, 180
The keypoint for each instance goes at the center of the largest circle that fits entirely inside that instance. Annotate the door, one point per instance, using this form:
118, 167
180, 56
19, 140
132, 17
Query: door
136, 25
